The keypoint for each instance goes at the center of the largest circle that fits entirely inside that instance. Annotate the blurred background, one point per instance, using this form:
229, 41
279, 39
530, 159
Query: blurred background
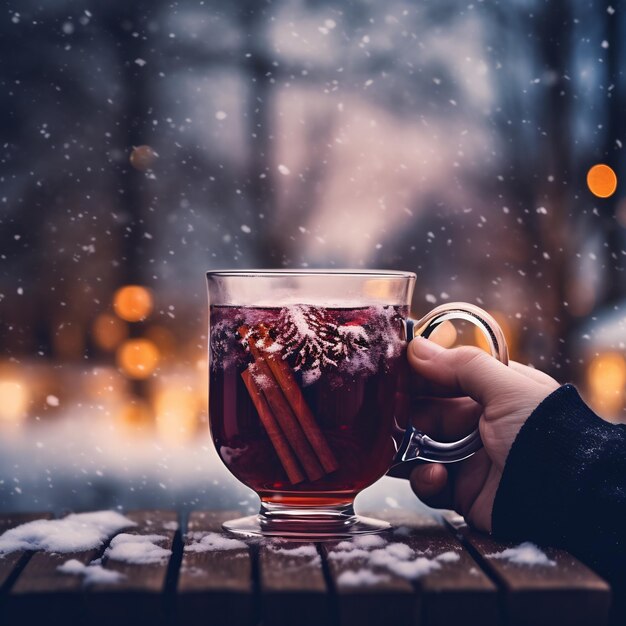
479, 144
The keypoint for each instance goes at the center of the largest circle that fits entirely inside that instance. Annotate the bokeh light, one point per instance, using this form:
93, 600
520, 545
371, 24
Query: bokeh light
507, 329
14, 402
445, 334
133, 303
138, 358
109, 331
606, 380
601, 180
176, 408
135, 417
142, 158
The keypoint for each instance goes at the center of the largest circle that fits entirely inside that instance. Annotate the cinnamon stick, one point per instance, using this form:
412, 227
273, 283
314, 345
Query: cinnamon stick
281, 410
287, 382
281, 446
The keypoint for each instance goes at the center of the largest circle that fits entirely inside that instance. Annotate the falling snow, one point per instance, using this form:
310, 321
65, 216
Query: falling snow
52, 400
407, 139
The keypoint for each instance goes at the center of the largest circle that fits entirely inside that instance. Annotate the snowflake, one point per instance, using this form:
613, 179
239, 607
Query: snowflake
315, 342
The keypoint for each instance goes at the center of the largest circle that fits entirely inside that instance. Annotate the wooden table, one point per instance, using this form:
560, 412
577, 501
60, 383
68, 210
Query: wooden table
268, 583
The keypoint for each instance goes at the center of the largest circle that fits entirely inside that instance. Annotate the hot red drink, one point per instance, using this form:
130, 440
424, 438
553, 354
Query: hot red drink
302, 397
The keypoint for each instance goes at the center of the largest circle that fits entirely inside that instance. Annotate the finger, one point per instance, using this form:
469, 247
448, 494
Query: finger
470, 479
430, 484
462, 371
446, 419
534, 374
423, 386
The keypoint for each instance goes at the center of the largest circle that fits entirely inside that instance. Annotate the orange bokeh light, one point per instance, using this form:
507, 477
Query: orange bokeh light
176, 409
507, 330
606, 380
109, 331
138, 358
135, 417
15, 399
133, 303
445, 334
142, 158
601, 180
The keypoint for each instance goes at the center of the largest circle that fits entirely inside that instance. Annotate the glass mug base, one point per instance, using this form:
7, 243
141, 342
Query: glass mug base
301, 522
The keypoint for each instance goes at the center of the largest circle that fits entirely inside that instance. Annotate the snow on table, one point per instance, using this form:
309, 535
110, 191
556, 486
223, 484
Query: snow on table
146, 572
80, 561
542, 585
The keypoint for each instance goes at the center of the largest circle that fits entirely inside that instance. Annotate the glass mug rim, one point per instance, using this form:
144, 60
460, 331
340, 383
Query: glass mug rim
276, 519
341, 272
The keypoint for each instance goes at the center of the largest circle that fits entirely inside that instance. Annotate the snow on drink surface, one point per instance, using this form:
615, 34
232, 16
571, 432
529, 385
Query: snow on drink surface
302, 398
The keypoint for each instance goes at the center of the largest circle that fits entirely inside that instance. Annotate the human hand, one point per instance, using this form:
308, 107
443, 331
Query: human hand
450, 390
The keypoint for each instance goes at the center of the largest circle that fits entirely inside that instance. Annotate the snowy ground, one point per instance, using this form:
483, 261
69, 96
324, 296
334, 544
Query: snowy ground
83, 462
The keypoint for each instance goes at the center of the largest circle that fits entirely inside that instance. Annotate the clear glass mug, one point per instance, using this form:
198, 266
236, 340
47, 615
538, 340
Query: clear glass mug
304, 367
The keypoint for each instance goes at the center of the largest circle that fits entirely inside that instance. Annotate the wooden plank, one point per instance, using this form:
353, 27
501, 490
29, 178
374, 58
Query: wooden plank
43, 593
292, 584
383, 599
139, 596
215, 586
458, 588
447, 584
11, 564
568, 593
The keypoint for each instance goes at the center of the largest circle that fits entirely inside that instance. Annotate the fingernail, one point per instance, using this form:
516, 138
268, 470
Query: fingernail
430, 474
424, 348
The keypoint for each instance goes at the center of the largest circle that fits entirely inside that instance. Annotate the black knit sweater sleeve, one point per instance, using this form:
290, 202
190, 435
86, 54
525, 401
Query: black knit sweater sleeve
564, 484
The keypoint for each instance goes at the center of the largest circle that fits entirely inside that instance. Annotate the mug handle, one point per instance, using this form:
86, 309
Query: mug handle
418, 445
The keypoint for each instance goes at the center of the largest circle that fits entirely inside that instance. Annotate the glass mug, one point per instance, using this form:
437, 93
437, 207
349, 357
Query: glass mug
303, 372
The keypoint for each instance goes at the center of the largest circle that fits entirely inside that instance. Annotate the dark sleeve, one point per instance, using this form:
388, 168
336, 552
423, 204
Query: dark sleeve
564, 484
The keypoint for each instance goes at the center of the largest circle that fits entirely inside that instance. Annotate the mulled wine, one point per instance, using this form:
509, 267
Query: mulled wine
302, 397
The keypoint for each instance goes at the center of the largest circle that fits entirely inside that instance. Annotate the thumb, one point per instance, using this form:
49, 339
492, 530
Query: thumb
463, 371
